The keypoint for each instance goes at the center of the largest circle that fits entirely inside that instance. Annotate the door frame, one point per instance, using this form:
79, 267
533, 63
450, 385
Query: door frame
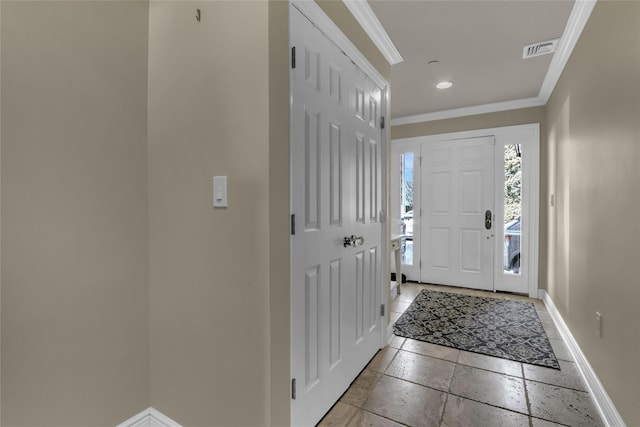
484, 278
529, 136
318, 17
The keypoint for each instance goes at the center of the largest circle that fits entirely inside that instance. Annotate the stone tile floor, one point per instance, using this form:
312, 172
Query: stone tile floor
413, 383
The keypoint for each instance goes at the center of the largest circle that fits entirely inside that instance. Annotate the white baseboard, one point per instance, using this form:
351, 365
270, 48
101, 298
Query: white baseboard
149, 418
607, 409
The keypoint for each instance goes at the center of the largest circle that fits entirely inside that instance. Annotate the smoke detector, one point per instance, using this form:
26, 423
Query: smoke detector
540, 48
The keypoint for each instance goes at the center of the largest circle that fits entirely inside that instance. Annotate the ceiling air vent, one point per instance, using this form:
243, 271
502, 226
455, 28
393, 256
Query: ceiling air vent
540, 48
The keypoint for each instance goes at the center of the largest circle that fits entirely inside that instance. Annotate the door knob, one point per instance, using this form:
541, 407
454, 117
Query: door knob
353, 241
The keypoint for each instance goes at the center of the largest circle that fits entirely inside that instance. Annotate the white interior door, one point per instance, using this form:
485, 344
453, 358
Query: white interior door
457, 230
336, 180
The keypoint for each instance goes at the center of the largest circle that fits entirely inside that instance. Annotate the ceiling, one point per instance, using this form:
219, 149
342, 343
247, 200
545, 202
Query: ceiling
478, 45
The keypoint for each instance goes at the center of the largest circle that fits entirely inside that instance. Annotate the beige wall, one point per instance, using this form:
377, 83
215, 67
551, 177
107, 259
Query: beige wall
88, 206
122, 287
594, 153
494, 120
209, 268
0, 216
219, 278
279, 226
74, 213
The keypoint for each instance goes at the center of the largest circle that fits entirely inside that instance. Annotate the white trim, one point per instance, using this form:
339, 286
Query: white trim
368, 20
316, 15
150, 417
469, 111
575, 24
532, 152
607, 409
385, 141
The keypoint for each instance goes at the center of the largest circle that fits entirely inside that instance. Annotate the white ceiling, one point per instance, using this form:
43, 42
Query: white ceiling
479, 46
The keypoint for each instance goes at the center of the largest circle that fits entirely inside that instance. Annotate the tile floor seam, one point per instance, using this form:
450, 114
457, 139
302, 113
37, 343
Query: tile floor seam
538, 417
493, 372
526, 395
352, 415
489, 404
556, 385
428, 355
386, 418
444, 407
384, 371
446, 400
415, 383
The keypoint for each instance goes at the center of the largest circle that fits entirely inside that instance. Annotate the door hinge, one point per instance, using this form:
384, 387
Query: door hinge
293, 57
383, 216
293, 388
382, 310
420, 159
382, 122
420, 264
293, 224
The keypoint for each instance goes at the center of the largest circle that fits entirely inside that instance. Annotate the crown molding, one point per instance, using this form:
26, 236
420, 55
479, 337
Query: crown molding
316, 15
365, 16
469, 111
575, 24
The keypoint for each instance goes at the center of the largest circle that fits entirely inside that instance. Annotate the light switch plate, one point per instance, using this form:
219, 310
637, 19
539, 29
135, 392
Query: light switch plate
219, 191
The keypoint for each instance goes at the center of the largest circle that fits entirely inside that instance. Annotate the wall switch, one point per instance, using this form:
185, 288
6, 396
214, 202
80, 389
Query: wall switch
598, 318
219, 191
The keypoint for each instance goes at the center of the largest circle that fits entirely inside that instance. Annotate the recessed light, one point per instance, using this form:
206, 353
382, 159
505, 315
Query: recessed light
444, 85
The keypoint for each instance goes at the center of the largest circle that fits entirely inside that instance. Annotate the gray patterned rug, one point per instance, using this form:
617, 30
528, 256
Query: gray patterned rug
496, 327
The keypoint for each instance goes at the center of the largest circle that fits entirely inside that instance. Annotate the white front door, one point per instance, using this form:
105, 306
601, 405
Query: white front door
457, 231
336, 180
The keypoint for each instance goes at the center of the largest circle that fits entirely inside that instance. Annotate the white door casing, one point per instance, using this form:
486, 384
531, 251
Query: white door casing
457, 191
336, 192
528, 136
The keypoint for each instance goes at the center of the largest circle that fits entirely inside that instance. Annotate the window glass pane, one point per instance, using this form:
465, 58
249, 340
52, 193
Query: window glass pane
406, 206
512, 208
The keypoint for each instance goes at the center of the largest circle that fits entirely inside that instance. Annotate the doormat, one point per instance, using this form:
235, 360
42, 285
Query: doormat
495, 327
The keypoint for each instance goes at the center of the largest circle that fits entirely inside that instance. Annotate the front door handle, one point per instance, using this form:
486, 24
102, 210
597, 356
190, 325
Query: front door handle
488, 219
353, 241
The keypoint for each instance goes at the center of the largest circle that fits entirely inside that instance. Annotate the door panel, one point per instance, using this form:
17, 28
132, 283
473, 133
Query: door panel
336, 188
457, 185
